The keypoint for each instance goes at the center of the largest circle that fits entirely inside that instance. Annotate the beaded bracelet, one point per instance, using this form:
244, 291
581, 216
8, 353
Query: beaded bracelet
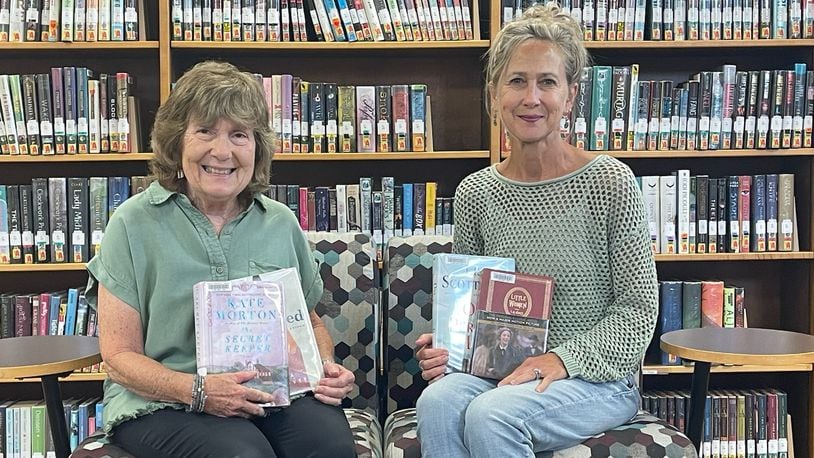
198, 400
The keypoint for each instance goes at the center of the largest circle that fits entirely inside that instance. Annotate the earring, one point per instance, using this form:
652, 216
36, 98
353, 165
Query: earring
180, 174
494, 120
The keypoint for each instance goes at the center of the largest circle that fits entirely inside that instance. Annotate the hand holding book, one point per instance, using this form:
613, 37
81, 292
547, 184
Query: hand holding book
227, 395
336, 384
549, 366
432, 361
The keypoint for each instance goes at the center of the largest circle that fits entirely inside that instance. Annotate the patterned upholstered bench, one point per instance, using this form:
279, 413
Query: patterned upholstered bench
349, 309
408, 283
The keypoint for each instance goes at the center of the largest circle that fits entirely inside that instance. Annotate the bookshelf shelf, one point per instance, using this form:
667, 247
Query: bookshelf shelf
78, 46
383, 156
60, 267
697, 154
112, 157
721, 369
773, 256
315, 45
717, 44
288, 157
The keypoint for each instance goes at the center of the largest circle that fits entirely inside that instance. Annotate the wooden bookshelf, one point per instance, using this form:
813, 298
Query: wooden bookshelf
763, 256
698, 44
331, 46
106, 157
73, 377
80, 45
55, 267
698, 154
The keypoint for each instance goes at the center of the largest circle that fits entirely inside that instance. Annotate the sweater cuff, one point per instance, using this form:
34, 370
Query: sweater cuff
568, 360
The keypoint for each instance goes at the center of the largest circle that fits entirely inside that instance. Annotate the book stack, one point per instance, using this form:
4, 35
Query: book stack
58, 219
329, 20
317, 117
68, 111
71, 20
752, 423
731, 214
635, 20
394, 210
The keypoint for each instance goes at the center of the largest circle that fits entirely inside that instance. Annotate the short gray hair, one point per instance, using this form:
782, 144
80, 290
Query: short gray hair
542, 22
210, 91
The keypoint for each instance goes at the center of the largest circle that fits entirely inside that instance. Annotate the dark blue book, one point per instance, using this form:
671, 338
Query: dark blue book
670, 315
118, 190
691, 304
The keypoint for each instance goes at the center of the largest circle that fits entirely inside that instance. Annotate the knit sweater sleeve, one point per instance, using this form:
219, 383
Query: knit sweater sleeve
468, 238
614, 347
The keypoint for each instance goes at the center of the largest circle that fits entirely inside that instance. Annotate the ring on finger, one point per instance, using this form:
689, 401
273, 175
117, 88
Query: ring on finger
537, 374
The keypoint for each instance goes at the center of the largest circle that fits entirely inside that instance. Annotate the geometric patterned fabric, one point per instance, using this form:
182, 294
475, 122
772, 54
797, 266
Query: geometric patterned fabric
645, 436
408, 267
350, 308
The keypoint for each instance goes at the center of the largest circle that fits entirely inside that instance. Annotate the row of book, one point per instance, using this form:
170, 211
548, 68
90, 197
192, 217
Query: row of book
695, 304
315, 117
321, 20
68, 111
750, 423
56, 313
70, 20
732, 214
724, 109
59, 219
25, 430
635, 20
393, 210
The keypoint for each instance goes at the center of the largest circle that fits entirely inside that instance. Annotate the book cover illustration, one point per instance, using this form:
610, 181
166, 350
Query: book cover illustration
453, 278
239, 325
304, 362
514, 294
502, 342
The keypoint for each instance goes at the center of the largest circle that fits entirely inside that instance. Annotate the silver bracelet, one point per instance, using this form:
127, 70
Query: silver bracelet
198, 400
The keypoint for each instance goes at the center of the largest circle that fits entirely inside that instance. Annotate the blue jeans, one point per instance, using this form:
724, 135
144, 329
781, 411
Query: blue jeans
465, 416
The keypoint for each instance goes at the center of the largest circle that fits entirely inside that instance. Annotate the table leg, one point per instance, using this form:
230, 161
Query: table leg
698, 397
56, 415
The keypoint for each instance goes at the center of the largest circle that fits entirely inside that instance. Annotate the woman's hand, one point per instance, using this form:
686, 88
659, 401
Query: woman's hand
549, 366
226, 396
336, 384
431, 361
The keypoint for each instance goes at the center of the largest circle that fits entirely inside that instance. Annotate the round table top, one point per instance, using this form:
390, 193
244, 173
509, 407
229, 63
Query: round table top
740, 346
35, 356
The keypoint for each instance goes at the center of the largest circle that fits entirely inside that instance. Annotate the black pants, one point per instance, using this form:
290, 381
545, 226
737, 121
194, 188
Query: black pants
307, 428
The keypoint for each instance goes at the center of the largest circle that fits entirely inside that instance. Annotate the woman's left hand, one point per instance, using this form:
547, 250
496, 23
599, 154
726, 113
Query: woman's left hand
547, 368
336, 384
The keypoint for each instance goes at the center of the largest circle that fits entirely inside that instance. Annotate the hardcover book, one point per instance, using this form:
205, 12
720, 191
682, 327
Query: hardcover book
304, 362
453, 278
239, 325
501, 343
512, 293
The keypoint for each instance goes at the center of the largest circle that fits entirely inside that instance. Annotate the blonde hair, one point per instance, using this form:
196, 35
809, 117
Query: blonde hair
210, 91
542, 22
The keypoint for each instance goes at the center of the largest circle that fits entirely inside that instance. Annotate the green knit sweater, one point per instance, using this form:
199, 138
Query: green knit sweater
588, 231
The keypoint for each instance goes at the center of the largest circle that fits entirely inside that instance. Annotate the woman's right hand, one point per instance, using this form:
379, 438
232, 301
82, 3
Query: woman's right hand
226, 396
432, 361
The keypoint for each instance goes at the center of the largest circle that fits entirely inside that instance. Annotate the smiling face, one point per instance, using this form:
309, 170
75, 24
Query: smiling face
505, 337
218, 162
533, 92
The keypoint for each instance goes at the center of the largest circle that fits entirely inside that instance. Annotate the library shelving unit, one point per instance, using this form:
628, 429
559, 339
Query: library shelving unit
778, 285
